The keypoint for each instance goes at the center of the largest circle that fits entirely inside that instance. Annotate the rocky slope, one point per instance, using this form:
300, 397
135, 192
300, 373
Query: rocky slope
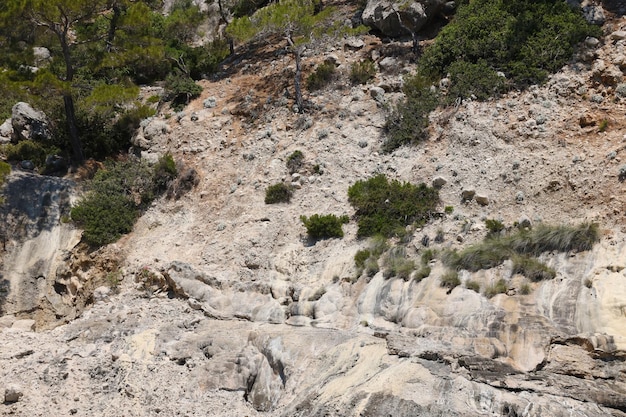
225, 308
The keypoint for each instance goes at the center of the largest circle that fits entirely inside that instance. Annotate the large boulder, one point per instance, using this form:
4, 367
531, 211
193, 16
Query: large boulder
400, 17
29, 124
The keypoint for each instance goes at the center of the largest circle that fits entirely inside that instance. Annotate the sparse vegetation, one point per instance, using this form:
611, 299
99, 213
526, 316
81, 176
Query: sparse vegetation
363, 71
295, 161
422, 273
383, 207
450, 279
494, 226
532, 268
525, 40
118, 194
448, 210
407, 122
534, 242
525, 289
500, 287
472, 285
278, 193
322, 75
324, 226
397, 265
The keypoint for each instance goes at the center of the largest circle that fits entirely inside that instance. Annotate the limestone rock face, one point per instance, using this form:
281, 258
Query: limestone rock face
395, 18
29, 124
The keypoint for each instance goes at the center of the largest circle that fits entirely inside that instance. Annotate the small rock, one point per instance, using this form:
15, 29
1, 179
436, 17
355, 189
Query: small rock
362, 143
25, 325
210, 103
618, 35
468, 195
524, 222
354, 44
27, 165
378, 94
439, 182
519, 197
592, 42
388, 64
12, 394
481, 199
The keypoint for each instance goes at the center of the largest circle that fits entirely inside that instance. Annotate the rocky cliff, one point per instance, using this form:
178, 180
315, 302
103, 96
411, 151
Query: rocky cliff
219, 304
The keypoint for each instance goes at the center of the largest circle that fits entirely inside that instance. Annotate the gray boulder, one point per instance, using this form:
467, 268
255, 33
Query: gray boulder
29, 124
6, 131
397, 18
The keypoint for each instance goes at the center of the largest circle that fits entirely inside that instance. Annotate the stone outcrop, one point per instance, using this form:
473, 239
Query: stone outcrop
395, 18
29, 124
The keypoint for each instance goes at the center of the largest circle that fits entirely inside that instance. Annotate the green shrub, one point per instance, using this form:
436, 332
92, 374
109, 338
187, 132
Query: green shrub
371, 267
383, 207
472, 285
26, 150
532, 268
180, 89
448, 210
450, 279
427, 256
494, 226
324, 226
322, 75
397, 265
164, 172
360, 257
363, 71
422, 273
407, 122
499, 287
493, 251
118, 194
295, 161
524, 39
278, 193
105, 218
545, 238
525, 289
478, 80
5, 170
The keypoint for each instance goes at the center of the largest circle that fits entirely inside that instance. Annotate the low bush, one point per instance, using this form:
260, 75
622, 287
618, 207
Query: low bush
472, 285
477, 80
363, 71
397, 265
522, 247
383, 207
117, 196
324, 226
450, 279
26, 150
494, 226
295, 161
407, 122
422, 273
532, 268
525, 39
180, 89
278, 193
5, 170
322, 75
499, 287
360, 257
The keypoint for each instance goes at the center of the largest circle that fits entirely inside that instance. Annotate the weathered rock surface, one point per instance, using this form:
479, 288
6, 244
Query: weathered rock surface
29, 124
395, 18
225, 308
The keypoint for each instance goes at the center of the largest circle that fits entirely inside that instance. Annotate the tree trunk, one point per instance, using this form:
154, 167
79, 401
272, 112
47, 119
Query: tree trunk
70, 114
117, 13
298, 80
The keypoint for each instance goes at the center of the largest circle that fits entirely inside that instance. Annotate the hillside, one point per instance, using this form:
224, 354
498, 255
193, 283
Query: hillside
218, 304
